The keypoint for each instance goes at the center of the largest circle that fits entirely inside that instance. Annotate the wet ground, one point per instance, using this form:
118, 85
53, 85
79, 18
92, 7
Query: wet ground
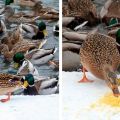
52, 42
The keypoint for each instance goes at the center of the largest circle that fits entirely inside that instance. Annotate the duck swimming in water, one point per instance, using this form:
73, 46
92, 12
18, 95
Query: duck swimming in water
24, 66
34, 32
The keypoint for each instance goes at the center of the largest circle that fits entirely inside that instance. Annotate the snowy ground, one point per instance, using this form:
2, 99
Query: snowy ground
30, 108
79, 97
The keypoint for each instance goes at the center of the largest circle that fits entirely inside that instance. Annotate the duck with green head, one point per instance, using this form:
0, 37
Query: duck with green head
29, 85
8, 2
34, 31
42, 32
24, 66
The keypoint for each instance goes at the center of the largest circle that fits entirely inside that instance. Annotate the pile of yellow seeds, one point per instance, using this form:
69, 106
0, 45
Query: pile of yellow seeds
111, 100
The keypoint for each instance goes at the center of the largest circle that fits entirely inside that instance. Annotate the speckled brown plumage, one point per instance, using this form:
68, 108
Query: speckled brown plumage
99, 55
8, 83
114, 9
81, 8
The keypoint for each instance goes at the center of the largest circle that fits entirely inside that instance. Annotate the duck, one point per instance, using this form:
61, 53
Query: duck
24, 66
34, 32
12, 37
22, 46
10, 16
26, 3
100, 56
77, 8
110, 10
40, 56
46, 13
8, 84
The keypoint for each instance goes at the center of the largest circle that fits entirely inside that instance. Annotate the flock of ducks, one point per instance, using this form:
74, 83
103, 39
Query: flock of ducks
22, 47
98, 52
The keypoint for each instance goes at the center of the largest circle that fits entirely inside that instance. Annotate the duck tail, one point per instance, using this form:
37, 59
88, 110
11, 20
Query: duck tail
54, 50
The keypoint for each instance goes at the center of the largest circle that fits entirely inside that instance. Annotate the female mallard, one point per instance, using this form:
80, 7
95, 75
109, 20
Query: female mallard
110, 10
10, 16
45, 12
8, 84
24, 66
77, 8
34, 32
12, 38
22, 46
100, 56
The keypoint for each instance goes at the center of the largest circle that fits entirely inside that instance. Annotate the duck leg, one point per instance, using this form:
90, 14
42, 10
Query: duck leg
84, 79
7, 99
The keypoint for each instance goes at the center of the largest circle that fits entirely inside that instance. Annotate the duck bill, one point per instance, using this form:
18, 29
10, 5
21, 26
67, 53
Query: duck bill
45, 32
16, 65
25, 84
115, 91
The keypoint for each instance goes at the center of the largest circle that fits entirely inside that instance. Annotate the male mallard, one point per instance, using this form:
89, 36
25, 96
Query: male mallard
110, 10
8, 84
34, 32
77, 8
24, 66
100, 56
41, 56
22, 46
30, 87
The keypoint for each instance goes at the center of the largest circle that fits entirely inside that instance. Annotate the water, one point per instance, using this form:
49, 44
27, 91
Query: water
52, 42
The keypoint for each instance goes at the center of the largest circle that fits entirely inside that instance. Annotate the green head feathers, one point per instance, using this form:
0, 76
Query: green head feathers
18, 57
42, 26
113, 21
30, 79
118, 36
7, 2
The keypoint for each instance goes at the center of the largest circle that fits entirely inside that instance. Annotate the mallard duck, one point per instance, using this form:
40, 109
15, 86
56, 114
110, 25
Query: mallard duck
24, 66
110, 10
77, 8
45, 12
8, 84
26, 3
12, 38
100, 56
22, 46
10, 16
34, 32
41, 56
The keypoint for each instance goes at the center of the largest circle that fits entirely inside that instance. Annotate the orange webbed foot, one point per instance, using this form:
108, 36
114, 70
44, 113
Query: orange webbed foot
7, 99
84, 79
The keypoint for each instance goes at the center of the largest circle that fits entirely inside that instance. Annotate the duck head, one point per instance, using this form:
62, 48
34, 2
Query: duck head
18, 59
28, 81
8, 2
42, 28
113, 21
112, 83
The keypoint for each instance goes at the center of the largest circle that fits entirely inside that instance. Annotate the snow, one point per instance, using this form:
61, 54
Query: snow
79, 97
30, 108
